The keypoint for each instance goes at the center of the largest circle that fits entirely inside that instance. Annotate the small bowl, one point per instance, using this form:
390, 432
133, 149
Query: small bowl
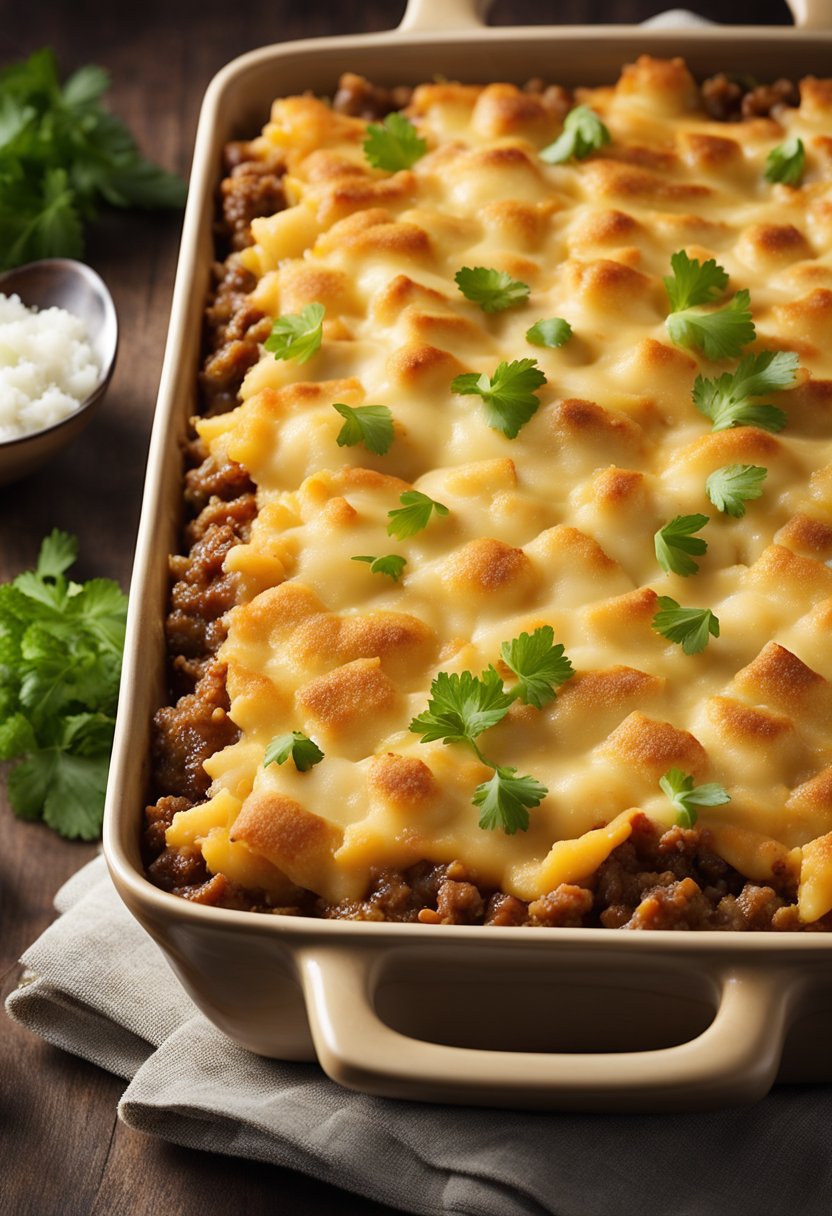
61, 283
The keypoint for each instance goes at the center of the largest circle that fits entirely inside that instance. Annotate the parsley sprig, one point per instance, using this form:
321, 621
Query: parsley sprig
693, 282
509, 396
690, 628
413, 515
786, 162
732, 486
394, 144
304, 752
463, 706
371, 425
392, 564
685, 796
719, 335
552, 332
60, 662
494, 290
675, 542
727, 400
583, 133
297, 335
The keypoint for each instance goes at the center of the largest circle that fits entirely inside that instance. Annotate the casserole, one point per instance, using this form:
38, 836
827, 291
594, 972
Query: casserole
369, 987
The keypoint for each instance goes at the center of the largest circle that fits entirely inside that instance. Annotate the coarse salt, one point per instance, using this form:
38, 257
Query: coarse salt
47, 367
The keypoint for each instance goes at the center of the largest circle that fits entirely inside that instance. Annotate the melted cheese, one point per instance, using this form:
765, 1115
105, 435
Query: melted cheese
555, 527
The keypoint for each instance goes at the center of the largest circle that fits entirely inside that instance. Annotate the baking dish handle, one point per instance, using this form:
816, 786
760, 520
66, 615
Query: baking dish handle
428, 15
811, 14
735, 1060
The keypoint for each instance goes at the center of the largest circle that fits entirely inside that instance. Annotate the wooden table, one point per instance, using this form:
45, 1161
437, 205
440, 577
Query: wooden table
62, 1150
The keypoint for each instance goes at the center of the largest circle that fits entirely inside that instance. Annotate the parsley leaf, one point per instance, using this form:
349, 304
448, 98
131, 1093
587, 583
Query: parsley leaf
732, 486
413, 515
685, 796
461, 706
492, 289
504, 800
718, 334
540, 666
508, 395
392, 565
305, 754
693, 282
583, 133
297, 335
689, 627
394, 144
60, 662
371, 425
727, 400
553, 332
676, 540
786, 162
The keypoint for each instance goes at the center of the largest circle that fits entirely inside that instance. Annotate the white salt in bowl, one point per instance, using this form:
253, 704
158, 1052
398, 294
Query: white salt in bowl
78, 290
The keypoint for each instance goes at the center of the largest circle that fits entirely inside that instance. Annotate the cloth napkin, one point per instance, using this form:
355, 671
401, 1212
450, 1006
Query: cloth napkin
96, 985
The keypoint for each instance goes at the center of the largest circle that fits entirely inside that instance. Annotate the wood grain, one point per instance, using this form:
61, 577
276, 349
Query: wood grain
61, 1149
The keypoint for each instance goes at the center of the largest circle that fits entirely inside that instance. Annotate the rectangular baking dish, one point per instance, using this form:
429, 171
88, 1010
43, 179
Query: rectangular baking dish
588, 1019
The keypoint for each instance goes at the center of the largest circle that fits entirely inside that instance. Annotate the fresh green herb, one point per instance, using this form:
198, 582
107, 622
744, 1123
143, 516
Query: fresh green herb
719, 334
553, 332
693, 282
394, 144
786, 162
732, 486
727, 400
305, 754
60, 661
297, 335
371, 425
462, 706
392, 565
685, 796
505, 798
583, 133
540, 666
413, 515
508, 395
492, 289
688, 627
63, 156
675, 541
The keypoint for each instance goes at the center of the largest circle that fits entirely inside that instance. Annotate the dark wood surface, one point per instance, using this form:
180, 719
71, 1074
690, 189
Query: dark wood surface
62, 1150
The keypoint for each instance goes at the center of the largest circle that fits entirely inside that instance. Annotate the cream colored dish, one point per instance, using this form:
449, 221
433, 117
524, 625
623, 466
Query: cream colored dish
414, 1011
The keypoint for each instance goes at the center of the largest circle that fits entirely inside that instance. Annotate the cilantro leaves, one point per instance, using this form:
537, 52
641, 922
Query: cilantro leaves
371, 425
693, 282
675, 541
727, 400
297, 335
690, 628
63, 156
553, 332
583, 133
413, 515
60, 662
462, 706
718, 334
509, 395
394, 144
492, 289
392, 565
786, 162
685, 796
304, 752
732, 486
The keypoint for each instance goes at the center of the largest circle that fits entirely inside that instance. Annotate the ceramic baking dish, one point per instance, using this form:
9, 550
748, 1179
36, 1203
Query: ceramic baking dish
589, 1019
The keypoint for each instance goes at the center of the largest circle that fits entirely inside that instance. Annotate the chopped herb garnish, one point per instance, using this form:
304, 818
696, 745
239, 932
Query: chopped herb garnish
305, 754
509, 395
727, 400
675, 541
685, 796
413, 515
719, 334
552, 332
492, 289
297, 335
732, 486
392, 565
690, 628
540, 666
504, 800
371, 425
461, 706
786, 162
394, 144
583, 133
693, 282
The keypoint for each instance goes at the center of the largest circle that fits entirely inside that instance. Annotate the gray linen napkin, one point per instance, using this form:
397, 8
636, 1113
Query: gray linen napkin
97, 986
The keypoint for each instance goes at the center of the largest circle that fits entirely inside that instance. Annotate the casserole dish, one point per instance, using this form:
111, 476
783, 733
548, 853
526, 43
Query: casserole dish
413, 1011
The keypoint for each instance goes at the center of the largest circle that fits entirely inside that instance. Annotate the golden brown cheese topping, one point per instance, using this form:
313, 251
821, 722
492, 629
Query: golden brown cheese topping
554, 527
